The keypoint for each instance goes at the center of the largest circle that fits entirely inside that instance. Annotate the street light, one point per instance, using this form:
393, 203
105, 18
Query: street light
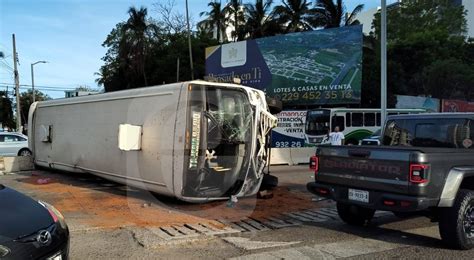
33, 77
383, 52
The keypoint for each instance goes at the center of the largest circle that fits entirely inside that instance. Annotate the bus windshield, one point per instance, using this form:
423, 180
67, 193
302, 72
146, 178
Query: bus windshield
220, 127
317, 122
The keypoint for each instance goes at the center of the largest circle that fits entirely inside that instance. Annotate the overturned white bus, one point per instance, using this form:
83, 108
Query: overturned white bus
196, 141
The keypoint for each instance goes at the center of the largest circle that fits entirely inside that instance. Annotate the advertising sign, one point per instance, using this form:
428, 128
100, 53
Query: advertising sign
289, 132
428, 103
457, 106
307, 68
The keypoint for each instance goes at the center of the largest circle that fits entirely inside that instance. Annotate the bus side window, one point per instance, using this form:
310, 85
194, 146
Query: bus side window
338, 121
379, 119
357, 119
369, 119
348, 119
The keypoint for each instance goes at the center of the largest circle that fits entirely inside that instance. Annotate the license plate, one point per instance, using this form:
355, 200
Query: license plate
359, 195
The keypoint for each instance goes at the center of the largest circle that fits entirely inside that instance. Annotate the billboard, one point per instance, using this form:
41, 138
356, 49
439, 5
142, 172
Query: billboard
428, 103
453, 106
307, 68
289, 132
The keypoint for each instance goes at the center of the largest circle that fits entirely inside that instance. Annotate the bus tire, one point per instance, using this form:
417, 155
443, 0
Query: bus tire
274, 105
269, 182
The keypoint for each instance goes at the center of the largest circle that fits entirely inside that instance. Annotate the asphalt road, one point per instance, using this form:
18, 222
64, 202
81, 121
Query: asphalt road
385, 237
322, 238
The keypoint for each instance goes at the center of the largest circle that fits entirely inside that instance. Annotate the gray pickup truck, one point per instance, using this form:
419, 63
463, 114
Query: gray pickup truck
425, 166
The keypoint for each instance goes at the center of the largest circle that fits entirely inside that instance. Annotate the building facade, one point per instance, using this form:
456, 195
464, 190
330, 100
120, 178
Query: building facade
77, 93
367, 17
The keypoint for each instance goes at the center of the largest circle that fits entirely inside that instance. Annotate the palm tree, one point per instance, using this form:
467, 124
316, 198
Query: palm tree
296, 15
235, 10
136, 35
216, 20
260, 20
330, 14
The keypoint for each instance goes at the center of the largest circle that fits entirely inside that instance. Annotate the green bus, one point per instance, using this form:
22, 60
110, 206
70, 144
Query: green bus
355, 123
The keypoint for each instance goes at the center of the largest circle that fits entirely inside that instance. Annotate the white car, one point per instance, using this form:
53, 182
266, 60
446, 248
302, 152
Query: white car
374, 139
14, 144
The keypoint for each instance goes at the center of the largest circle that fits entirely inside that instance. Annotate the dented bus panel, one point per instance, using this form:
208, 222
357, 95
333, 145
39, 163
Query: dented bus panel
197, 141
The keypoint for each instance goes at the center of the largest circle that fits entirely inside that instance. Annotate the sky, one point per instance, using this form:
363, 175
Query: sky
68, 34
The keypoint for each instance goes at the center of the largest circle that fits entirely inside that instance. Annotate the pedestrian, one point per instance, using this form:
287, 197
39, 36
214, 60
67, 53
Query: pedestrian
336, 137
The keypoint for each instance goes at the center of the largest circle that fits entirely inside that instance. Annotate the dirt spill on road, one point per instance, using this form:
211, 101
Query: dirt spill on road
106, 207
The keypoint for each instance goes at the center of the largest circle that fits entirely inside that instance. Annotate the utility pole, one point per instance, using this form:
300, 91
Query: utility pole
32, 84
383, 55
17, 86
33, 79
189, 41
177, 70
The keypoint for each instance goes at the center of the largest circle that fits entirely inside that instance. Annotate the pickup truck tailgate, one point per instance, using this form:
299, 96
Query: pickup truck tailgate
366, 168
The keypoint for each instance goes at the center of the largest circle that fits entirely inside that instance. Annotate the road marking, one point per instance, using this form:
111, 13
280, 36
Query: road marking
347, 248
232, 225
246, 226
186, 231
301, 253
297, 217
247, 244
255, 224
311, 217
173, 232
317, 215
325, 251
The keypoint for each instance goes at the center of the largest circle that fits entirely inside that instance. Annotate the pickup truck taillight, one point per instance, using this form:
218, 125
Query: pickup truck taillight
314, 163
418, 173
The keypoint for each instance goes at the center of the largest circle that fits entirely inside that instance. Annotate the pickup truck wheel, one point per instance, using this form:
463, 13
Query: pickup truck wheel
456, 224
354, 215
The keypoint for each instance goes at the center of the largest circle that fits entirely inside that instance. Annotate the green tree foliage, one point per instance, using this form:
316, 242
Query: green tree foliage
216, 19
260, 20
427, 50
452, 78
144, 52
128, 46
423, 18
6, 111
235, 10
330, 14
295, 15
26, 99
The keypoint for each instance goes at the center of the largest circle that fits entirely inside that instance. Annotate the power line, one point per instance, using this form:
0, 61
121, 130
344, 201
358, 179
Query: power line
45, 87
4, 63
56, 89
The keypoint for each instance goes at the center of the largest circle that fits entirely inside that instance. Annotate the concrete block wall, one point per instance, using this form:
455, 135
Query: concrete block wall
16, 164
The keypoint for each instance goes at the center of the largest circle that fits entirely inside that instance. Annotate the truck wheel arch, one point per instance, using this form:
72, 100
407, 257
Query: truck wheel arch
458, 177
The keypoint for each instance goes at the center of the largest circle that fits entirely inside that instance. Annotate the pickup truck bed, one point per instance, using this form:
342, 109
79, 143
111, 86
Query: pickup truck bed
385, 171
426, 166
